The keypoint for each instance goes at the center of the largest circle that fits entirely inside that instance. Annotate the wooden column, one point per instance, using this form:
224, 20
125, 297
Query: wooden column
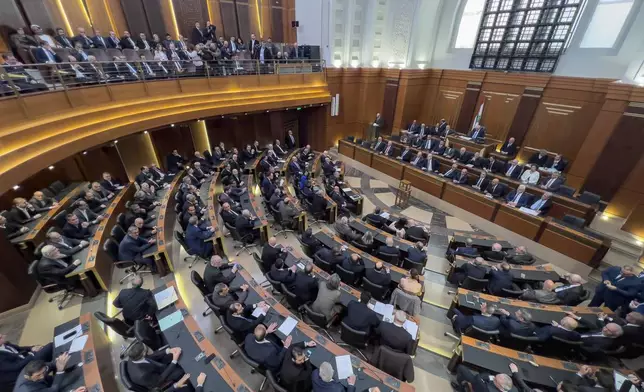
136, 151
172, 138
468, 106
199, 136
16, 286
524, 113
389, 105
635, 222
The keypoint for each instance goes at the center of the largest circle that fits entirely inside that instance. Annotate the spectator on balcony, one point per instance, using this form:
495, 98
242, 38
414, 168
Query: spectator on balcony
143, 43
113, 41
79, 53
156, 40
253, 46
198, 35
62, 39
195, 58
83, 39
241, 46
121, 69
46, 55
127, 42
40, 35
19, 76
23, 43
176, 57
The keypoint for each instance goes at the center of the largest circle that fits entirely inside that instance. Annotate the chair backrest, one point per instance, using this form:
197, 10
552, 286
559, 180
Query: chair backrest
574, 221
128, 204
511, 293
117, 233
56, 187
258, 261
274, 383
120, 219
131, 55
197, 280
375, 223
360, 246
147, 335
352, 336
60, 219
181, 239
111, 247
233, 335
47, 192
318, 319
277, 286
38, 250
127, 381
323, 265
305, 248
416, 239
528, 339
389, 258
346, 276
568, 342
177, 210
117, 325
233, 231
481, 334
393, 362
377, 291
255, 365
409, 264
565, 190
351, 138
215, 309
291, 298
475, 284
589, 198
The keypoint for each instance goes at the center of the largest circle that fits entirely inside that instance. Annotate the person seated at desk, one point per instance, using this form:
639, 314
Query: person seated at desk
217, 156
153, 370
53, 266
278, 148
305, 286
366, 241
405, 155
281, 273
476, 161
493, 166
520, 323
159, 175
481, 382
328, 168
109, 184
451, 173
375, 217
394, 335
619, 286
295, 168
378, 275
414, 230
332, 256
439, 149
477, 133
102, 195
388, 150
411, 284
425, 143
234, 179
539, 158
246, 155
399, 226
389, 248
481, 182
571, 293
419, 161
194, 179
417, 253
203, 162
241, 320
323, 381
271, 252
495, 189
463, 156
186, 215
519, 256
133, 246
42, 203
461, 178
35, 376
601, 335
66, 246
230, 197
530, 176
513, 169
194, 202
245, 226
92, 203
306, 154
145, 176
518, 198
345, 231
13, 358
199, 172
327, 301
137, 303
355, 264
275, 197
379, 146
344, 206
557, 163
196, 237
85, 215
214, 272
75, 229
499, 280
234, 163
175, 161
553, 183
223, 295
22, 212
486, 321
543, 204
271, 158
296, 369
359, 316
496, 253
474, 268
318, 202
288, 213
509, 148
145, 201
447, 130
309, 240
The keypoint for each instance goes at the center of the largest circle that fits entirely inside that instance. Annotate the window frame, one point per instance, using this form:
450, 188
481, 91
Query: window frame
584, 24
456, 25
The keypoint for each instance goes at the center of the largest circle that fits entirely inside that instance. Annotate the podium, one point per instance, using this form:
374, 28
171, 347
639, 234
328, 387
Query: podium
403, 194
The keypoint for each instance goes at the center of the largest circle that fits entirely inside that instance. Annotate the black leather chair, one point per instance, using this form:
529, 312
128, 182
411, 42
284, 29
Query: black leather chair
215, 310
147, 335
117, 233
239, 340
481, 334
56, 187
511, 293
574, 221
320, 323
305, 248
392, 362
519, 343
50, 286
241, 243
323, 265
350, 138
589, 198
374, 223
409, 264
38, 250
127, 381
292, 300
255, 366
475, 284
272, 381
197, 280
60, 219
377, 291
120, 219
353, 338
47, 192
181, 239
277, 286
416, 239
362, 247
115, 324
567, 191
390, 258
348, 277
131, 267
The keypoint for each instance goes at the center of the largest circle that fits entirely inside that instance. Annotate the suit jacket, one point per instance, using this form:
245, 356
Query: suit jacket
295, 377
465, 157
41, 56
499, 280
76, 232
474, 271
360, 317
141, 44
17, 216
53, 270
511, 150
11, 364
85, 41
42, 205
381, 278
132, 249
326, 301
559, 166
388, 150
494, 167
69, 246
244, 226
333, 386
524, 199
480, 134
270, 255
244, 324
395, 337
101, 42
327, 255
136, 302
48, 384
392, 250
64, 41
379, 146
416, 255
537, 160
195, 239
283, 275
197, 36
356, 268
128, 43
516, 171
266, 353
85, 216
543, 207
375, 218
112, 42
546, 332
451, 173
234, 295
510, 324
627, 287
556, 184
570, 295
213, 275
304, 286
525, 259
493, 255
495, 190
416, 232
460, 178
289, 141
435, 165
156, 371
483, 183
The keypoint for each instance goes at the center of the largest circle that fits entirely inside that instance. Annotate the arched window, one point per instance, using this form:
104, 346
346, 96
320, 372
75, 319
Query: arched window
607, 23
469, 25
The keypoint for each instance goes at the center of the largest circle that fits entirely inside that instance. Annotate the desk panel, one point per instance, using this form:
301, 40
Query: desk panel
471, 201
484, 148
363, 155
573, 244
389, 166
530, 273
514, 220
427, 183
346, 148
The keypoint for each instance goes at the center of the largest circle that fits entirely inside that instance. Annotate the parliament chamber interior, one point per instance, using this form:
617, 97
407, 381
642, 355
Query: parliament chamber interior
321, 195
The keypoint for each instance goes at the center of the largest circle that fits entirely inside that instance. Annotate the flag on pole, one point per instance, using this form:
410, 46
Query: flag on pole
477, 119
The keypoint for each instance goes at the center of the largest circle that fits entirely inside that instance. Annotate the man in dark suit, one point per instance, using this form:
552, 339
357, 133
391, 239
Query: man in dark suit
271, 252
62, 39
223, 295
156, 370
241, 320
359, 316
214, 273
476, 161
332, 256
477, 133
175, 161
419, 161
451, 173
379, 146
22, 212
543, 204
197, 36
417, 252
557, 163
520, 323
289, 140
496, 253
99, 41
378, 275
319, 203
13, 358
35, 376
509, 148
388, 150
377, 125
481, 183
463, 156
601, 335
389, 248
474, 268
553, 183
571, 293
53, 268
66, 246
482, 382
305, 285
127, 42
83, 39
461, 178
137, 303
196, 237
495, 189
375, 217
439, 149
296, 370
500, 279
619, 286
539, 158
133, 246
245, 226
228, 214
394, 336
518, 198
493, 166
253, 48
109, 184
268, 351
513, 169
45, 54
355, 264
431, 164
85, 215
113, 42
565, 329
486, 320
143, 43
519, 256
281, 273
74, 229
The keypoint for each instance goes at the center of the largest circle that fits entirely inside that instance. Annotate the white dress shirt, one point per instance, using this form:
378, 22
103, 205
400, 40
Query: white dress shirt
531, 178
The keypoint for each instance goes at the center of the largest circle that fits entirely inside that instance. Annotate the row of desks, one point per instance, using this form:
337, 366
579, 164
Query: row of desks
520, 273
346, 189
250, 201
380, 235
548, 231
207, 194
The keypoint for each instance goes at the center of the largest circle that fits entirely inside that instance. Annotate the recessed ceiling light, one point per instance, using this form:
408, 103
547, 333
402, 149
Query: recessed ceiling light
16, 187
51, 167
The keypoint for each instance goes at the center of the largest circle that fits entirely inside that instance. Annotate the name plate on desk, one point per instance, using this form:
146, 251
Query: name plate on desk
529, 211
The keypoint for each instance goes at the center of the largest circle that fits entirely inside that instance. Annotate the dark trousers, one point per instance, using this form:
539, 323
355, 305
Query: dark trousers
149, 261
463, 374
207, 251
598, 298
461, 322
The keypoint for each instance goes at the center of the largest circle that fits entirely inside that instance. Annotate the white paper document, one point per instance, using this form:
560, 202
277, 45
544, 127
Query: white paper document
385, 215
287, 326
619, 380
78, 344
68, 336
166, 297
386, 310
300, 266
411, 327
259, 311
346, 190
343, 365
529, 211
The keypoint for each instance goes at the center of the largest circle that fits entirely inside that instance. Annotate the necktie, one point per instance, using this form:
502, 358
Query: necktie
478, 184
449, 172
416, 160
387, 150
148, 68
517, 197
103, 41
429, 164
537, 205
67, 42
491, 165
509, 173
549, 184
132, 70
493, 188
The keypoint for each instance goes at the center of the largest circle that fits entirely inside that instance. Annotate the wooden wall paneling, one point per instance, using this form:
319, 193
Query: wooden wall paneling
288, 16
277, 20
44, 13
468, 107
447, 104
635, 222
428, 114
277, 122
410, 100
136, 151
214, 15
629, 196
188, 12
389, 105
170, 138
100, 17
229, 19
243, 19
137, 21
77, 15
16, 286
264, 19
10, 19
116, 16
110, 161
500, 107
199, 136
620, 156
524, 113
156, 18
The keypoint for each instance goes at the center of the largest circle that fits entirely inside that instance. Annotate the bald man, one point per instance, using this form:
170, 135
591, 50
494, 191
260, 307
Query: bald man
214, 273
271, 252
42, 203
378, 275
137, 303
565, 329
571, 293
482, 382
